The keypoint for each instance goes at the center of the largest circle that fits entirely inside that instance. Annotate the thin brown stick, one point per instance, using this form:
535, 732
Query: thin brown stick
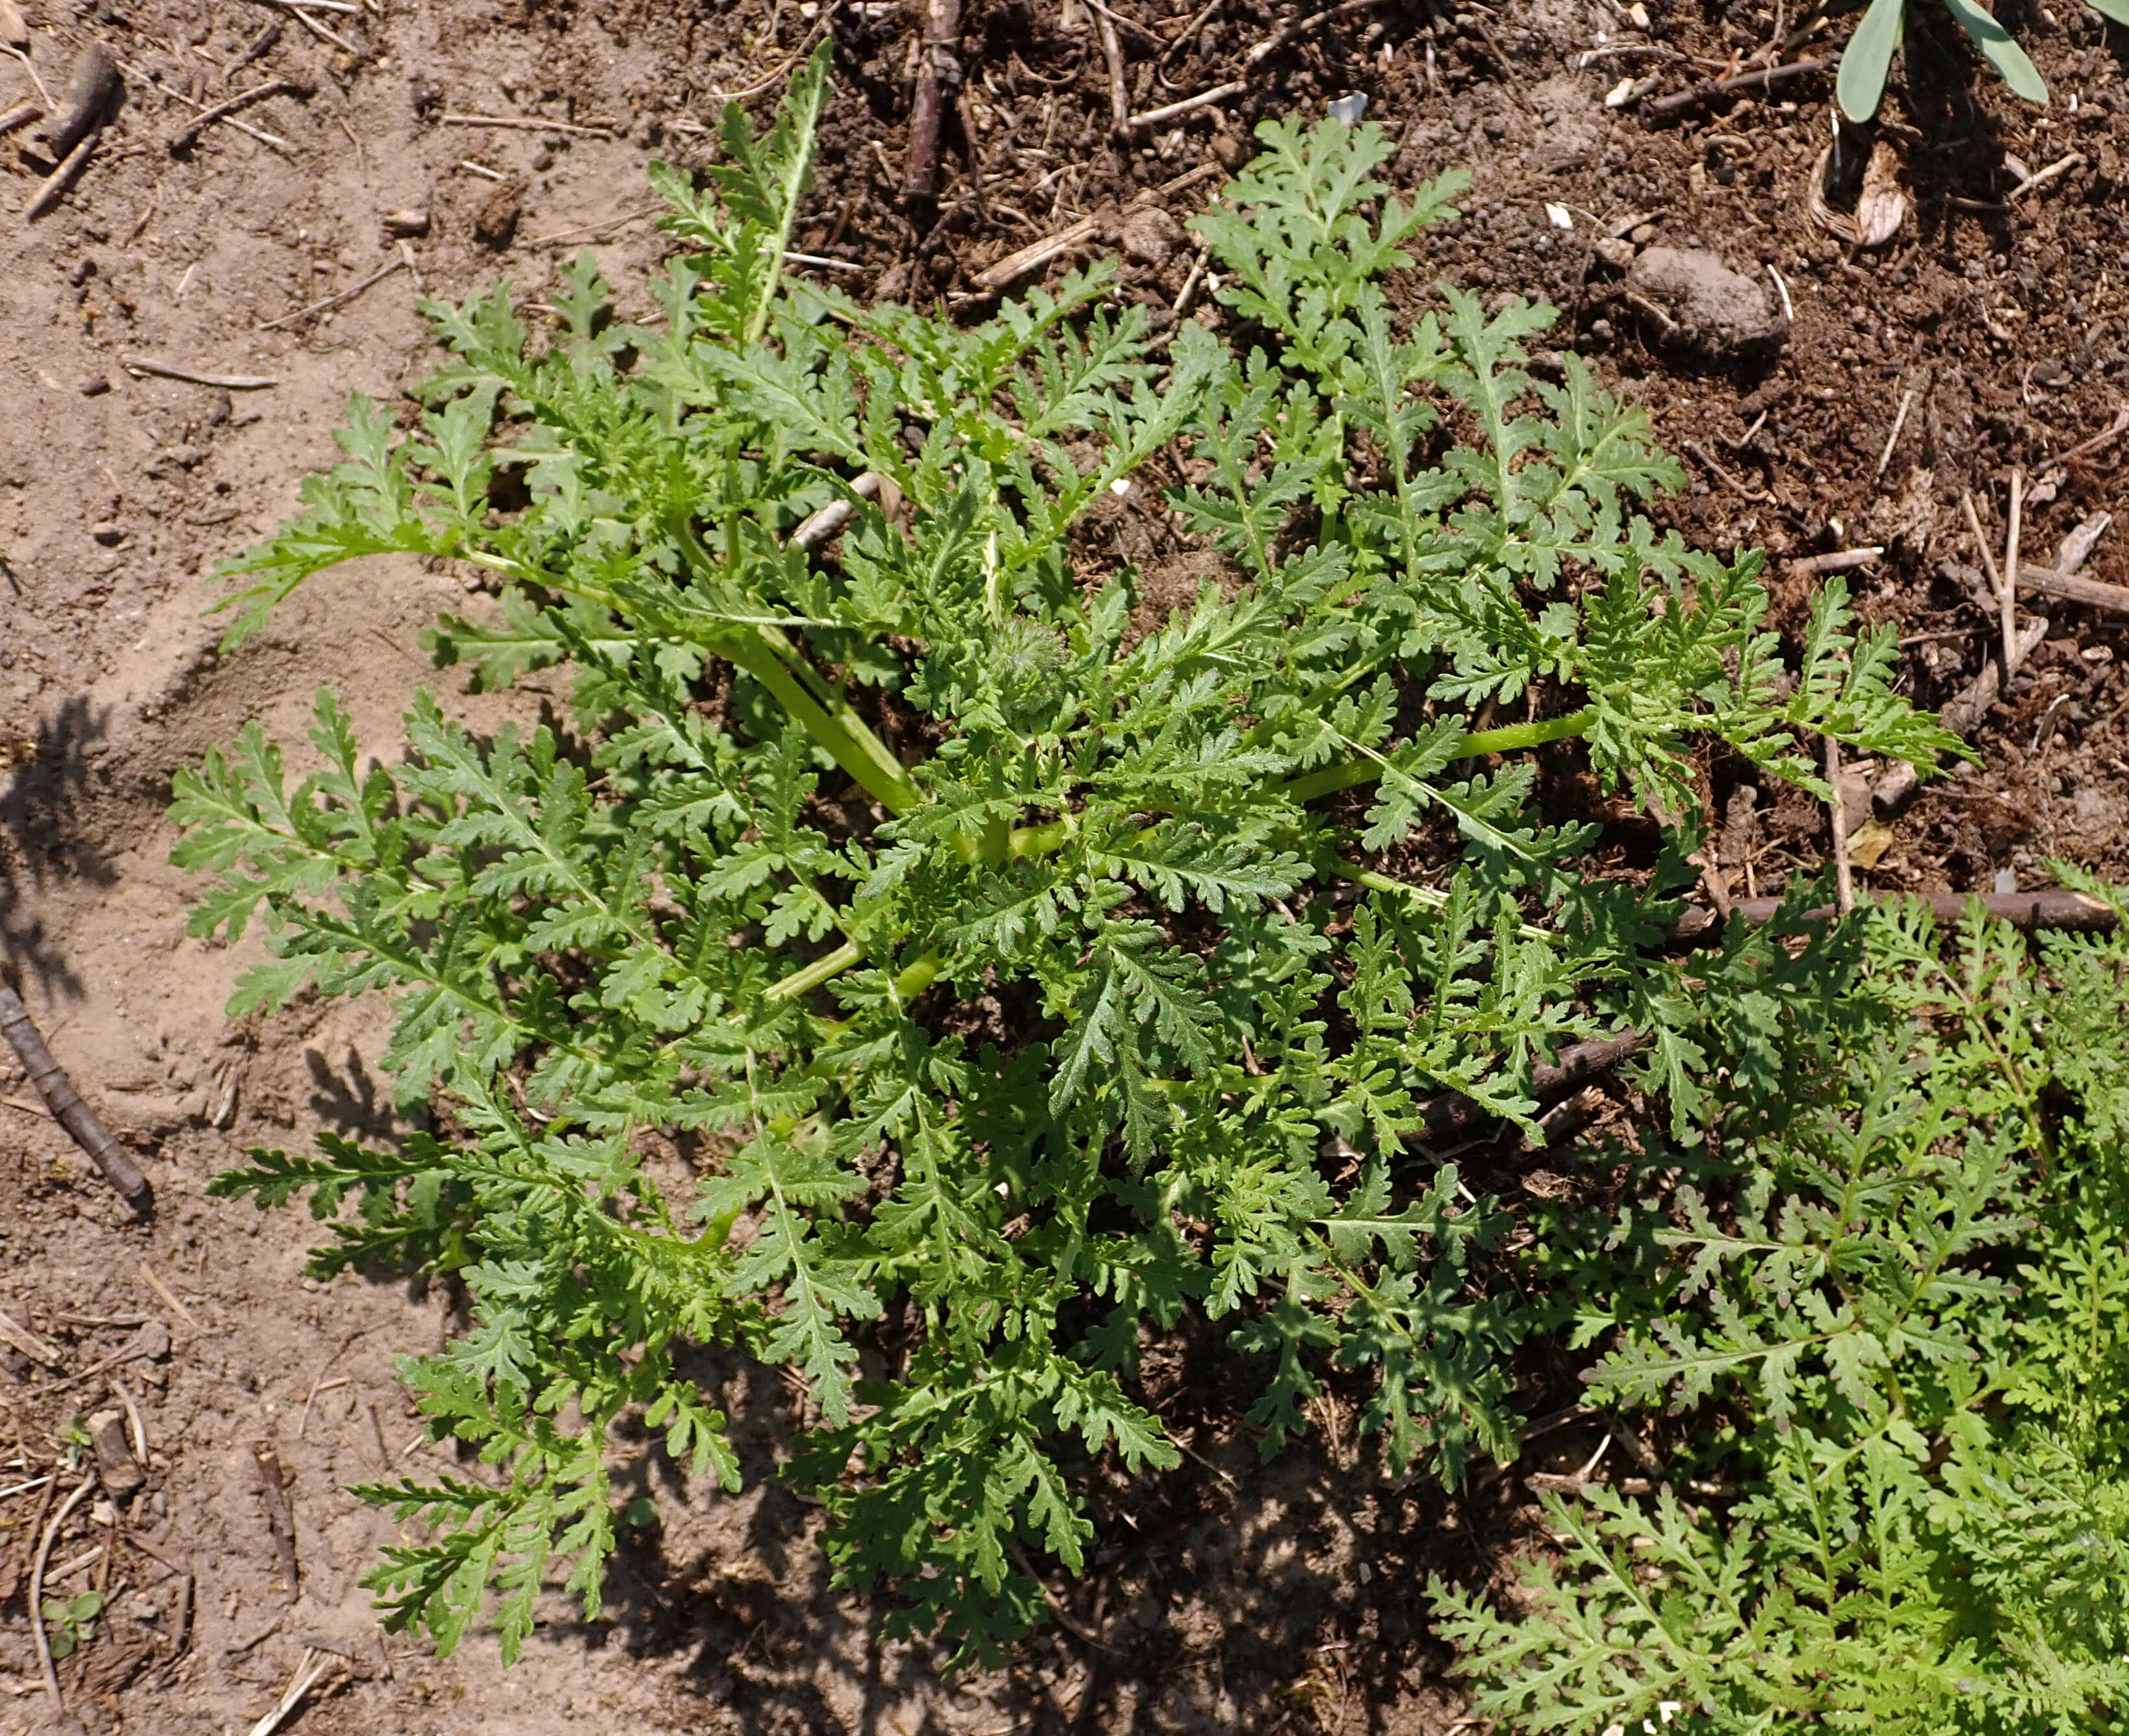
1188, 106
2008, 591
1893, 440
1842, 560
1112, 52
1844, 878
67, 1108
2073, 588
2041, 176
519, 123
1196, 24
21, 115
2117, 427
1258, 54
938, 74
175, 1306
341, 300
37, 1591
1715, 88
1981, 543
191, 377
188, 135
280, 1516
60, 179
1301, 27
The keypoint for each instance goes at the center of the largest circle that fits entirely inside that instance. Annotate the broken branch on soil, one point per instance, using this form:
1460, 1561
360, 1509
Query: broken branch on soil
1113, 53
1256, 56
280, 1516
2084, 448
37, 1591
171, 1301
188, 135
341, 300
13, 1332
67, 1110
516, 123
1715, 88
1963, 716
302, 14
2074, 589
1017, 264
1842, 560
21, 115
191, 377
2041, 178
60, 179
1893, 440
2009, 593
938, 75
818, 527
1981, 542
309, 1673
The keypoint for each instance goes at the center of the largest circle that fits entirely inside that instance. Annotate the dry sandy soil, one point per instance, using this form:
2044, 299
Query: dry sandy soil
1990, 330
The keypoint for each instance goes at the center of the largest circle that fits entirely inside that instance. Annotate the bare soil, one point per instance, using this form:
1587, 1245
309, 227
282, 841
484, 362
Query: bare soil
1229, 1597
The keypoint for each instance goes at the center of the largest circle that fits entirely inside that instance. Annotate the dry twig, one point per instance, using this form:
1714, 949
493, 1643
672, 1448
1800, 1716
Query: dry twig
60, 179
1112, 53
341, 300
309, 1673
516, 123
938, 76
2008, 592
37, 1591
1258, 54
171, 1301
91, 88
1715, 88
190, 377
1841, 560
188, 135
67, 1110
1844, 876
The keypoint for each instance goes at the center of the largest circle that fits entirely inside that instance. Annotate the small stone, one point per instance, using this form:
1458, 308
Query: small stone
109, 535
1642, 234
1707, 312
408, 223
2049, 372
95, 387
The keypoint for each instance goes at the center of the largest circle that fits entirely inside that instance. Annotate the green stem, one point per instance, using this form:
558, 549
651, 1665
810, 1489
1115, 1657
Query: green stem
1507, 739
834, 726
827, 965
1512, 737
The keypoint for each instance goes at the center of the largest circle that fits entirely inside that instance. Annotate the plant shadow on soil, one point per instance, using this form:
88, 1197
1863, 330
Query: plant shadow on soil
41, 820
